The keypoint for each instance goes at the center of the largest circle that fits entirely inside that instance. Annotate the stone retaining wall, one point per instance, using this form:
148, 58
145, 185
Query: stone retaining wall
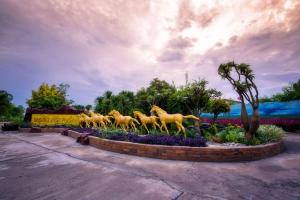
42, 130
212, 154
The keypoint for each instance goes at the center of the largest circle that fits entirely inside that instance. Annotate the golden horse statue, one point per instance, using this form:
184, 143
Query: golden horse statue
106, 119
166, 118
83, 118
123, 121
98, 119
146, 119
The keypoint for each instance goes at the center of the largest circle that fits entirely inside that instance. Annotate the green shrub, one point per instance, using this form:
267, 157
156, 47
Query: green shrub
213, 129
10, 127
191, 133
232, 134
269, 133
112, 131
253, 141
155, 131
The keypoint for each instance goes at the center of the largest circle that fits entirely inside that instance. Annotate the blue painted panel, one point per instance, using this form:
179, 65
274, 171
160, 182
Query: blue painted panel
267, 109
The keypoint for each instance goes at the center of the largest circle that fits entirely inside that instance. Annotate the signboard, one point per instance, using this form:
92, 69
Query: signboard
54, 119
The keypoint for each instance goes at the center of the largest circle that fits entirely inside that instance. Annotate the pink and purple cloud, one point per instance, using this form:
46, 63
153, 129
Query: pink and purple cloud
98, 45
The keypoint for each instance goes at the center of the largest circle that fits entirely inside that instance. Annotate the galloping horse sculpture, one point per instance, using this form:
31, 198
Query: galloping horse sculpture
83, 118
146, 119
166, 118
100, 120
97, 120
123, 121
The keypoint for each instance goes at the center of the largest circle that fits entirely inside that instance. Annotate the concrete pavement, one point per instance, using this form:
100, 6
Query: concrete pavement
51, 166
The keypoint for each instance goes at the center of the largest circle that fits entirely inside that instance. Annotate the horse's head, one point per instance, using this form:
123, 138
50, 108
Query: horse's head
153, 108
156, 109
136, 113
106, 118
82, 115
114, 112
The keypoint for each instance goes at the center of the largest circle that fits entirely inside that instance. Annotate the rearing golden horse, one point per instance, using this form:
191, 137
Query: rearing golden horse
166, 118
123, 121
146, 119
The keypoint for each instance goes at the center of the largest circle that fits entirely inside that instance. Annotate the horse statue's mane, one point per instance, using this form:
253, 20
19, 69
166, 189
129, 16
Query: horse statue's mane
159, 109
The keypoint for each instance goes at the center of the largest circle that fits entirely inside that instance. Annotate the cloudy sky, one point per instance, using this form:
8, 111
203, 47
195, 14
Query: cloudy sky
97, 45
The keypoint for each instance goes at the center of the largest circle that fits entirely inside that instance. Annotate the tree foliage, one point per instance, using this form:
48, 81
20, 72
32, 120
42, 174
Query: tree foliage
158, 93
9, 111
195, 96
123, 102
189, 99
50, 97
218, 106
289, 93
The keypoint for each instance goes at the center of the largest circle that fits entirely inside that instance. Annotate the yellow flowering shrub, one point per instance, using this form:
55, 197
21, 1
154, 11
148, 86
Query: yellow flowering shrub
54, 119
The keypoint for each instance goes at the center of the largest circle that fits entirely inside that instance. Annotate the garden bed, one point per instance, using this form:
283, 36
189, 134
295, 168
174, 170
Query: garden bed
185, 153
212, 152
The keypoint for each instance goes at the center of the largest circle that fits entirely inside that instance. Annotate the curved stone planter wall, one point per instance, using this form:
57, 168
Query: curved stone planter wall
212, 154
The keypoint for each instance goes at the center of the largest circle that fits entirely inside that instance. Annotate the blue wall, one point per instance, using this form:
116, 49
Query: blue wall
267, 109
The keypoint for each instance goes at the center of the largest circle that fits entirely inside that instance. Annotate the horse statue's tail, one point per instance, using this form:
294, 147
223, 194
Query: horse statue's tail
136, 121
191, 117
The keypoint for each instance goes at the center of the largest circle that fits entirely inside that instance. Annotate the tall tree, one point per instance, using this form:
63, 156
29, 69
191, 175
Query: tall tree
196, 96
9, 111
158, 93
50, 97
125, 101
241, 77
218, 106
289, 93
105, 103
5, 103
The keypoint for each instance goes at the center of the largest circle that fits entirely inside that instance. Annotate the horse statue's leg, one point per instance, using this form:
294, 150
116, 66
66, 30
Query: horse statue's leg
155, 124
133, 125
164, 125
123, 127
144, 125
102, 124
180, 127
87, 123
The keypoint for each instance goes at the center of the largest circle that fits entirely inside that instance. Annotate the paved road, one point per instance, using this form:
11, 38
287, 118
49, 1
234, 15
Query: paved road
51, 166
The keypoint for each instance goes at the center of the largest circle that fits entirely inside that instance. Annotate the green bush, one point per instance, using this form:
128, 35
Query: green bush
191, 133
253, 141
112, 131
269, 133
265, 134
232, 134
10, 127
213, 129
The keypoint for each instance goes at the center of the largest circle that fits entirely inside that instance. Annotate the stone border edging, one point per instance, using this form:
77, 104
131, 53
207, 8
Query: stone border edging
41, 130
184, 153
210, 154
